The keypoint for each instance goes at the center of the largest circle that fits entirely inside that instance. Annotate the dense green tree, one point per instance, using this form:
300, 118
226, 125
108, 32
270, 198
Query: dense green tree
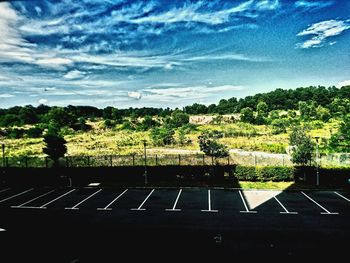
195, 109
161, 136
340, 141
212, 147
55, 145
178, 119
148, 123
303, 146
28, 115
322, 113
247, 115
8, 120
34, 132
61, 117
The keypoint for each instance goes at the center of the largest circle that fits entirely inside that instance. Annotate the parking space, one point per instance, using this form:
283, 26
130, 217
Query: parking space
178, 200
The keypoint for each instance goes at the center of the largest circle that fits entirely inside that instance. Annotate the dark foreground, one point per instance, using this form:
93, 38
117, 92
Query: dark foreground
147, 225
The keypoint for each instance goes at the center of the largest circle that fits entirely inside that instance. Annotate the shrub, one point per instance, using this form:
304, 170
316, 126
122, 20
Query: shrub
245, 173
264, 173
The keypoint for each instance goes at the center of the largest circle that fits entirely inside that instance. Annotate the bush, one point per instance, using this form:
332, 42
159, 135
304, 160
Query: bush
245, 173
264, 173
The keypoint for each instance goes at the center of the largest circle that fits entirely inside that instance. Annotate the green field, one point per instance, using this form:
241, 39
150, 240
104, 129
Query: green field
116, 141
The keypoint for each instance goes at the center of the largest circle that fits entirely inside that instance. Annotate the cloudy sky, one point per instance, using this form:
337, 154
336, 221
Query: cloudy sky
167, 53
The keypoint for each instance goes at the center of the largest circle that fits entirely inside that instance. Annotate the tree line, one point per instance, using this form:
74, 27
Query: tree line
320, 102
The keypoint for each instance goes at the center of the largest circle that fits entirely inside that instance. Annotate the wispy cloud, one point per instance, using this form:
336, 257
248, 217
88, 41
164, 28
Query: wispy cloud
189, 93
134, 95
227, 57
344, 83
321, 31
74, 74
192, 13
6, 95
312, 5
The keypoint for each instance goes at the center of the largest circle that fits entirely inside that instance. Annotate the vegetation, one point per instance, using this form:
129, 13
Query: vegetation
209, 145
264, 173
55, 145
303, 147
263, 122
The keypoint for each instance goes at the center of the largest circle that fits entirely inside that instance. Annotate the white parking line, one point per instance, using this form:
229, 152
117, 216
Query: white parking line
4, 190
327, 212
144, 201
18, 206
8, 198
209, 205
44, 205
245, 205
285, 209
174, 206
115, 199
76, 206
2, 230
342, 196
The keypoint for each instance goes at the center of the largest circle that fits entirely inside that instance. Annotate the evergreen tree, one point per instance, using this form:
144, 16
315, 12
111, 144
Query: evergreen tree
55, 145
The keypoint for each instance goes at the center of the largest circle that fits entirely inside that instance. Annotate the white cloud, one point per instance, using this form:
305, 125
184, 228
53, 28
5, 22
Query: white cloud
74, 74
43, 101
190, 93
321, 31
192, 13
6, 95
267, 4
312, 5
14, 48
344, 83
38, 10
135, 95
59, 63
12, 45
239, 57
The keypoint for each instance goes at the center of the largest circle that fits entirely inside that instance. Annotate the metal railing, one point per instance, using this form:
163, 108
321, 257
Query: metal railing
252, 159
116, 160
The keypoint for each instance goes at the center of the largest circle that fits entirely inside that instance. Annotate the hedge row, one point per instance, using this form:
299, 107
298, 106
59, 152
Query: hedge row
264, 173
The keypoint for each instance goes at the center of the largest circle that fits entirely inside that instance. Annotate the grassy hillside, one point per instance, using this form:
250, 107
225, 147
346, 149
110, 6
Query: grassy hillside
103, 141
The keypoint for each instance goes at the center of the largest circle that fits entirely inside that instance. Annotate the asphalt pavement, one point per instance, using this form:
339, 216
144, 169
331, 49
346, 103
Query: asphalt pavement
92, 224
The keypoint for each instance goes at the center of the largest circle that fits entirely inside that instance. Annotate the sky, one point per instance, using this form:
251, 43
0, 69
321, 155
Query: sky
168, 53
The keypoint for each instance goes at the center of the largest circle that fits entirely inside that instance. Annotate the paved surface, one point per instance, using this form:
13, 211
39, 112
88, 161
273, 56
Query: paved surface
98, 225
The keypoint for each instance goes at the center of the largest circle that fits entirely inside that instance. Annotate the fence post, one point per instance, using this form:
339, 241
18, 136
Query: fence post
203, 159
212, 160
156, 160
228, 160
254, 159
179, 159
133, 160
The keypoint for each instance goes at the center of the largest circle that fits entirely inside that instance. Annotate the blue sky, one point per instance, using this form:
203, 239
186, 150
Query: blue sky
168, 53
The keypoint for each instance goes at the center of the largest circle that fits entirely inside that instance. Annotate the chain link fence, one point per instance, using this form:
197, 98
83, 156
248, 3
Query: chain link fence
116, 160
244, 159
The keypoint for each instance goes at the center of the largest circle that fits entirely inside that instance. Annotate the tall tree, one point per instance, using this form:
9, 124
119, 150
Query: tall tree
55, 145
340, 141
303, 147
212, 147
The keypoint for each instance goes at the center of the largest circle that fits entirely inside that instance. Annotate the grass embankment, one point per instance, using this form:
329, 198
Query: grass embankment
102, 141
266, 185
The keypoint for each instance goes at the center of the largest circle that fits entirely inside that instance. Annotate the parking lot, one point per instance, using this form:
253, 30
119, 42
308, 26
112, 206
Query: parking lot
336, 203
286, 223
